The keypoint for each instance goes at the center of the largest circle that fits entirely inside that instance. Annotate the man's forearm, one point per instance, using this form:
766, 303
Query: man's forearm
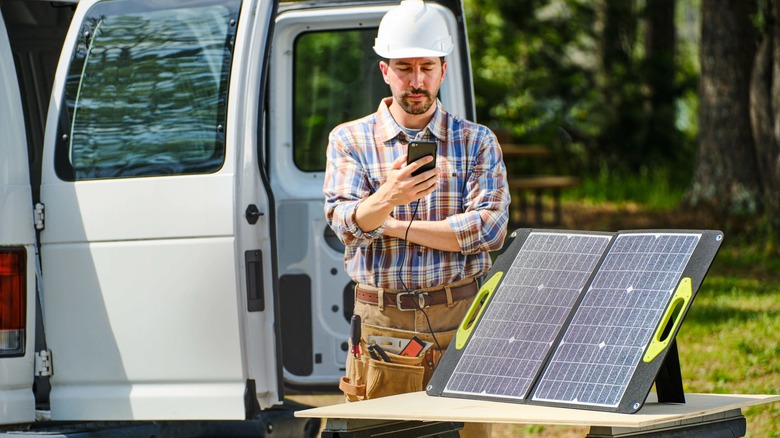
372, 212
432, 234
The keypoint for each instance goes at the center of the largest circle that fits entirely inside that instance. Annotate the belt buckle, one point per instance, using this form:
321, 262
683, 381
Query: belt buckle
420, 300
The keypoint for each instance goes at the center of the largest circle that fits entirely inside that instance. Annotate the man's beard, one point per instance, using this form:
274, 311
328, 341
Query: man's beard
416, 108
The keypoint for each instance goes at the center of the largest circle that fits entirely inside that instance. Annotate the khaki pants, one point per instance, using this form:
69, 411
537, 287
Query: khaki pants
416, 372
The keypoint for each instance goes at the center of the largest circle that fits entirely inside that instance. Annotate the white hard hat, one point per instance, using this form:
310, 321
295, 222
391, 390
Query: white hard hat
412, 30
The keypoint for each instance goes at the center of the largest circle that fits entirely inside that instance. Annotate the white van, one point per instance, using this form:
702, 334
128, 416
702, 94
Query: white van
168, 170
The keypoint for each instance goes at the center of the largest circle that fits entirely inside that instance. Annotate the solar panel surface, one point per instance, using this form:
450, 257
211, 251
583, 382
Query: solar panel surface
526, 313
579, 319
598, 355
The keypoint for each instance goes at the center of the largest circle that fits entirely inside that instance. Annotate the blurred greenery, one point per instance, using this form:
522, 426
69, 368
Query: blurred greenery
326, 80
653, 188
611, 89
578, 77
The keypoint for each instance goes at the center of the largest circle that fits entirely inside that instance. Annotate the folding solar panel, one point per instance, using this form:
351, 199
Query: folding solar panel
577, 319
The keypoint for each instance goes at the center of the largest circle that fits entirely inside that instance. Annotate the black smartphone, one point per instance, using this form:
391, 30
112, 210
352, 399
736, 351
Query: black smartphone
419, 149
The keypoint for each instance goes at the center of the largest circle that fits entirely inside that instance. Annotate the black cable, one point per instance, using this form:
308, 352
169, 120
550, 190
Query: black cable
406, 243
427, 320
403, 254
401, 279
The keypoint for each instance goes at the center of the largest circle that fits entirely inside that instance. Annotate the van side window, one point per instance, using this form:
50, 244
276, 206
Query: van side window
146, 92
337, 79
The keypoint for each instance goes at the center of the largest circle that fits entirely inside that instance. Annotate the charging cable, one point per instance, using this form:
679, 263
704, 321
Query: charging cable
401, 277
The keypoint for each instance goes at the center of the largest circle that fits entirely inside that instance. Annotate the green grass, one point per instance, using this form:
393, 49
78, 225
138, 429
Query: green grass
730, 343
747, 260
653, 188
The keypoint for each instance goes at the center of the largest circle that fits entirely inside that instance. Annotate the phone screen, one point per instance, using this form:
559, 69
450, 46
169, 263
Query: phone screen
419, 149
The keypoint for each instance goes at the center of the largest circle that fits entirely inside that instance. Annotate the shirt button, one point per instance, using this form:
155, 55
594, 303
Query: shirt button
419, 253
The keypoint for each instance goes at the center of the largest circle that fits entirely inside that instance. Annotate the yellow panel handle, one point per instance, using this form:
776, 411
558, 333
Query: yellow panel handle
671, 320
480, 302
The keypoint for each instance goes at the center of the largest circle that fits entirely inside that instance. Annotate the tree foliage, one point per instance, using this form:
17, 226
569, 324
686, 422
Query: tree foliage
598, 81
618, 87
532, 73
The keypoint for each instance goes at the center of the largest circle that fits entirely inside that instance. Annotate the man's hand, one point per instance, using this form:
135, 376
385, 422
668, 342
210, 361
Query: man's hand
401, 188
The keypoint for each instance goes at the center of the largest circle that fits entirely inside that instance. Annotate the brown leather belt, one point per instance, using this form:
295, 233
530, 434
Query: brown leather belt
412, 300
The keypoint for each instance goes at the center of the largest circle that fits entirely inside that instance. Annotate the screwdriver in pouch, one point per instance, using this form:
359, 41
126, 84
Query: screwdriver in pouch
354, 334
376, 349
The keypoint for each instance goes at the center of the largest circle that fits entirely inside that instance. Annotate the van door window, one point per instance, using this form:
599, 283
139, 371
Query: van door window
146, 92
337, 79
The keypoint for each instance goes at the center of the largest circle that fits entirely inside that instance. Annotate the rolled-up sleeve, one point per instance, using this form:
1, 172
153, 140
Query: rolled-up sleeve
482, 226
345, 187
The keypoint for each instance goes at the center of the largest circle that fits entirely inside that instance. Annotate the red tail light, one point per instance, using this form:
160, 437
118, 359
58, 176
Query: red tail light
13, 293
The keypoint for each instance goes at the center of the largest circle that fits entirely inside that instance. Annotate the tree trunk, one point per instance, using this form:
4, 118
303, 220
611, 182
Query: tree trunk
662, 139
765, 114
621, 138
726, 172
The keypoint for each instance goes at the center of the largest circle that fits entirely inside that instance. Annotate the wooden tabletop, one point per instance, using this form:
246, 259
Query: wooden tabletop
418, 406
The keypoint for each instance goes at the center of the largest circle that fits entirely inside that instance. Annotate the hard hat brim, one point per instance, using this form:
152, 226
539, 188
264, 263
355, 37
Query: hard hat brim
410, 53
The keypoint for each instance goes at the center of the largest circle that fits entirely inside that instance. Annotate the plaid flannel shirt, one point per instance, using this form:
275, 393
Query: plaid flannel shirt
472, 180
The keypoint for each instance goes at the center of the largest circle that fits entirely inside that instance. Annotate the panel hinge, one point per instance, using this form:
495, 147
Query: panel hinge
40, 217
43, 363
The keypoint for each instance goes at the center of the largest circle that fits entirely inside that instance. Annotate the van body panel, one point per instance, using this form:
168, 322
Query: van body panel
181, 172
17, 403
151, 320
36, 31
139, 209
125, 327
247, 130
15, 202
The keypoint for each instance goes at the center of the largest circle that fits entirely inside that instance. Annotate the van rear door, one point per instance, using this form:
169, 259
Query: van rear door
324, 72
156, 306
17, 251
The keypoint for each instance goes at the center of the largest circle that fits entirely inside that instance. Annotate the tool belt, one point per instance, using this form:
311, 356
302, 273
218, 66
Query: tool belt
419, 298
369, 378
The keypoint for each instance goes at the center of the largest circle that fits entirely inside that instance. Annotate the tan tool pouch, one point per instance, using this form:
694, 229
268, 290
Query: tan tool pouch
402, 375
367, 378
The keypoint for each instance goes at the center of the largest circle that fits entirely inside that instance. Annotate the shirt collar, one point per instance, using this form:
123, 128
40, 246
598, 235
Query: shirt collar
388, 129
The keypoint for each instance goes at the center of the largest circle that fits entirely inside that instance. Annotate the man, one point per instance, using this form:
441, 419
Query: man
415, 245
